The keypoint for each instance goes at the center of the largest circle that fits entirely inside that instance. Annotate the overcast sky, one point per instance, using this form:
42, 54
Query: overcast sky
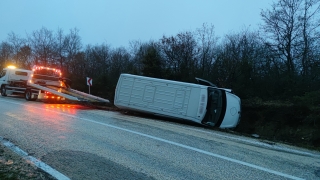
117, 22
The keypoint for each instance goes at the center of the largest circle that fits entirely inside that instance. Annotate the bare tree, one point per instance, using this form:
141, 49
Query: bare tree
283, 30
25, 57
42, 43
239, 62
17, 43
98, 59
60, 49
119, 63
207, 42
6, 54
137, 49
180, 55
309, 27
291, 28
73, 45
151, 60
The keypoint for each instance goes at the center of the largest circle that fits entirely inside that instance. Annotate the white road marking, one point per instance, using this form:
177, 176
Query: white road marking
33, 160
261, 144
176, 144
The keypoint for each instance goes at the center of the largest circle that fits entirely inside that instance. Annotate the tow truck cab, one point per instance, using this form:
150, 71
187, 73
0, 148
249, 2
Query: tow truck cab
13, 80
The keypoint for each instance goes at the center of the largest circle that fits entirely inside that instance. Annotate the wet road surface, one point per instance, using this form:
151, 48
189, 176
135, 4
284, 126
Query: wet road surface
85, 143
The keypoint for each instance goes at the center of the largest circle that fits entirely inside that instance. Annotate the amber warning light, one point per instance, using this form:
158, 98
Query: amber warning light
34, 68
50, 95
11, 67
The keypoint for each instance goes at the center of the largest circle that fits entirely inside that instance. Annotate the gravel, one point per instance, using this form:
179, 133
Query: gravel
13, 167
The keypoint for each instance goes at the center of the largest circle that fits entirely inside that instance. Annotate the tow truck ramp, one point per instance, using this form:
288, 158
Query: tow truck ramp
70, 94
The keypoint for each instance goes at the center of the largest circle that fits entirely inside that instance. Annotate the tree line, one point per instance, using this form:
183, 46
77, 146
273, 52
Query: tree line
280, 60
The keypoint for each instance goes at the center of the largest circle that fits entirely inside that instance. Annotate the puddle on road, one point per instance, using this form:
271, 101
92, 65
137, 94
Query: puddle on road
68, 108
81, 165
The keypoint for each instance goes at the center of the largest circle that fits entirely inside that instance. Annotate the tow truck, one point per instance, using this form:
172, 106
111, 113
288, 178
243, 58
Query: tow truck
42, 83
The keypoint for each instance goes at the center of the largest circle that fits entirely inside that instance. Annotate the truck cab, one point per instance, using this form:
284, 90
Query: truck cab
13, 77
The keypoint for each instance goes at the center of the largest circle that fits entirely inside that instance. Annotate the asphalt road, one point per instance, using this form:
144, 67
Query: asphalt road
84, 143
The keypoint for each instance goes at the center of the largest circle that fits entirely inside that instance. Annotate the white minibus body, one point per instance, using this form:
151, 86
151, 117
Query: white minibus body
202, 104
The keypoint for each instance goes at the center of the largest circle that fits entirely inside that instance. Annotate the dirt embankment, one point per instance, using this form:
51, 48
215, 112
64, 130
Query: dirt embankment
13, 167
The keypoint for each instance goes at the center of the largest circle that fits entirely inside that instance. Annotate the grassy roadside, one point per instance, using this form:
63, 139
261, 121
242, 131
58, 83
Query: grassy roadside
292, 123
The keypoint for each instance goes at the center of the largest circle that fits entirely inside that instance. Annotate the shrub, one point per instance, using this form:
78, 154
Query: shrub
310, 99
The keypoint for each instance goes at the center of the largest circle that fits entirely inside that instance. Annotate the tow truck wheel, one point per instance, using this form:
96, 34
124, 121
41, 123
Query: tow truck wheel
3, 90
27, 95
